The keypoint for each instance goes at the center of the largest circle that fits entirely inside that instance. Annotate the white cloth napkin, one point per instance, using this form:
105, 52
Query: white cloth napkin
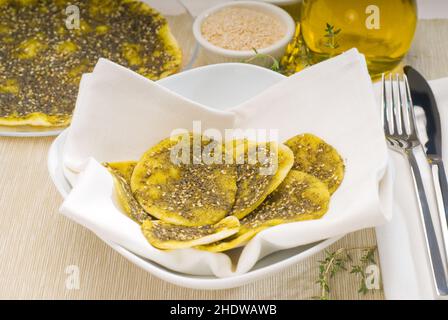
120, 114
404, 259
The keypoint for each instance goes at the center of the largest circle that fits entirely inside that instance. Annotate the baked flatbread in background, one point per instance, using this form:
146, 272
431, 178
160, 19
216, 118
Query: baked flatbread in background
42, 59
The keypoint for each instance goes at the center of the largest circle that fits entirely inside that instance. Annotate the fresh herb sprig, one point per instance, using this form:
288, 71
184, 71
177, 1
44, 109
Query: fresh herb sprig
338, 261
330, 34
329, 267
275, 65
367, 258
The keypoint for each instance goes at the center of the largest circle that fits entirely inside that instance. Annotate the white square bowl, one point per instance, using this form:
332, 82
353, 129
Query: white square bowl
220, 86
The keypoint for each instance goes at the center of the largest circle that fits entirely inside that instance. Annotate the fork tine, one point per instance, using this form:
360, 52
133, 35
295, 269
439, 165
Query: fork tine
402, 106
409, 106
384, 108
396, 100
395, 114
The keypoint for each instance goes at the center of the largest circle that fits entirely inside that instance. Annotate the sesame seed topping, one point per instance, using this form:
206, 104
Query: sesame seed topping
42, 60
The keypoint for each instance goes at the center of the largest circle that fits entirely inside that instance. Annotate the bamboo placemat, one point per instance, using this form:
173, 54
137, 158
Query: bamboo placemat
37, 244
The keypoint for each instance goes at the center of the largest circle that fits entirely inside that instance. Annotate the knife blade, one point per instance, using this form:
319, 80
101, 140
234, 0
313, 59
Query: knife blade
423, 96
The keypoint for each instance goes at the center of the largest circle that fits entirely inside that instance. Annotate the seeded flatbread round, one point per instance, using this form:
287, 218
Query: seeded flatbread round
43, 52
316, 157
164, 235
185, 190
121, 173
299, 197
260, 169
122, 168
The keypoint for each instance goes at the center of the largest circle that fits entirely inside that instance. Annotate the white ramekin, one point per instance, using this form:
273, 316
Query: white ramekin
215, 54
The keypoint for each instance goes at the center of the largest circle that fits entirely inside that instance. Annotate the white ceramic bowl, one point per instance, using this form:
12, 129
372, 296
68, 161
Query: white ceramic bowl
215, 54
220, 86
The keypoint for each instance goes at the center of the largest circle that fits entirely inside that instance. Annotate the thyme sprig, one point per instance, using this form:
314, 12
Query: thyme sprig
340, 260
275, 66
330, 34
367, 258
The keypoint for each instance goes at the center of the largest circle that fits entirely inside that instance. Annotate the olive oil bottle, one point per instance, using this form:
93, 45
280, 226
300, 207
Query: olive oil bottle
381, 29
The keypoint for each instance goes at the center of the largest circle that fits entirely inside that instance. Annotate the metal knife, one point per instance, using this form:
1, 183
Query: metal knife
423, 96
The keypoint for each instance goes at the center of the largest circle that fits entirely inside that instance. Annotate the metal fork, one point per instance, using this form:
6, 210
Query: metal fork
400, 130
